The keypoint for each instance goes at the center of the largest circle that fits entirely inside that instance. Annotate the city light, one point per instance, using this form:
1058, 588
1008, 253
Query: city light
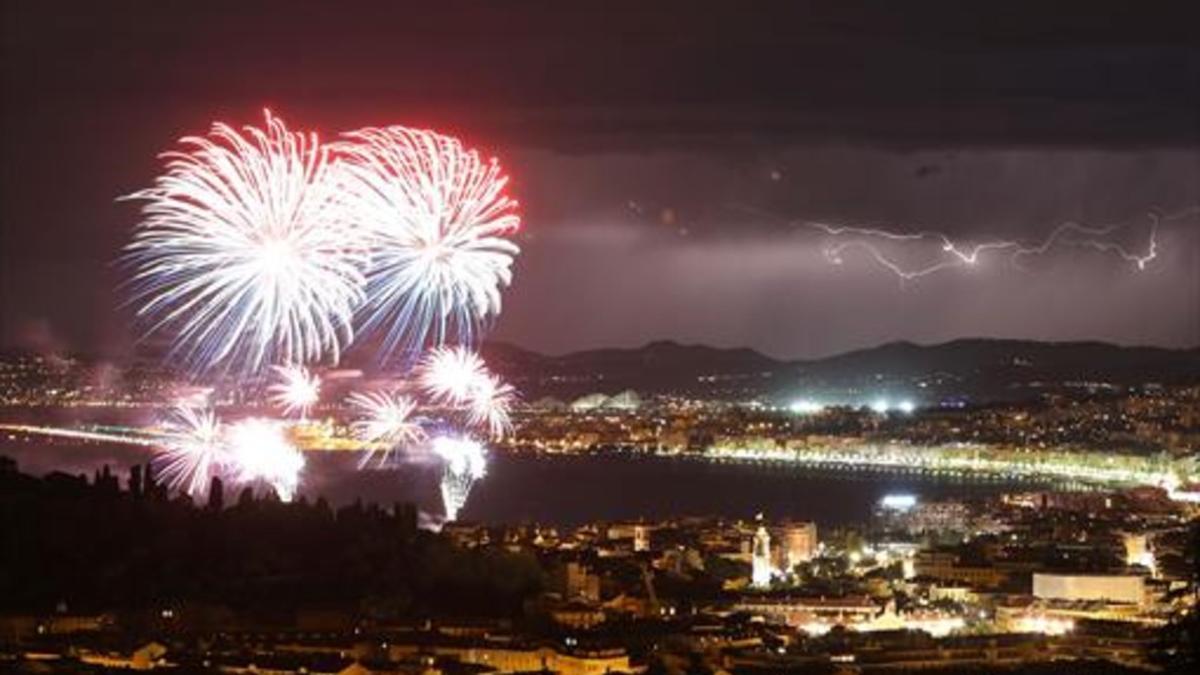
805, 406
898, 502
855, 338
1042, 625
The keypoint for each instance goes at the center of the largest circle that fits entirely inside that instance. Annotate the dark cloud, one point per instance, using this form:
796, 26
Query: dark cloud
629, 285
675, 142
588, 76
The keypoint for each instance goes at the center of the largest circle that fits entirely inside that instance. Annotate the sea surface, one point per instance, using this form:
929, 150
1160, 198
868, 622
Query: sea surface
569, 490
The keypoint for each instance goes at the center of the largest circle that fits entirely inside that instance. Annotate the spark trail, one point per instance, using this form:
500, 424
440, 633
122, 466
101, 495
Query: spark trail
465, 462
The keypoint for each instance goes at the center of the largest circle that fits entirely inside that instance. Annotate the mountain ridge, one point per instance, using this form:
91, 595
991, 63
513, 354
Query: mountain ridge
990, 368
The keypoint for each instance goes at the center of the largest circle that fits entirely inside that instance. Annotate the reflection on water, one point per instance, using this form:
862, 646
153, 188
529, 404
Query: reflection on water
570, 490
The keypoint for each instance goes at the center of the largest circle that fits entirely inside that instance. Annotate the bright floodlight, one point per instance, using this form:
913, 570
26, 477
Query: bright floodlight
805, 407
906, 406
898, 502
880, 405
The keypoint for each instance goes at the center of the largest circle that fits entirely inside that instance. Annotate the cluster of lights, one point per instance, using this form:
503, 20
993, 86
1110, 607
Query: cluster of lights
879, 406
806, 406
1043, 625
882, 406
898, 502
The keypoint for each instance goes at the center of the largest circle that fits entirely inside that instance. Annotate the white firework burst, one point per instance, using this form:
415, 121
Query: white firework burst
489, 406
193, 451
246, 254
297, 390
465, 461
451, 375
261, 452
387, 424
438, 218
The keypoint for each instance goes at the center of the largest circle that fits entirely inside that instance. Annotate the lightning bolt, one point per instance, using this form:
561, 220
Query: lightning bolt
959, 255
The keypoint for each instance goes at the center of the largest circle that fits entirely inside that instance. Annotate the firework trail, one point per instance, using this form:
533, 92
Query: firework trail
246, 254
297, 390
438, 219
387, 423
465, 462
192, 452
261, 452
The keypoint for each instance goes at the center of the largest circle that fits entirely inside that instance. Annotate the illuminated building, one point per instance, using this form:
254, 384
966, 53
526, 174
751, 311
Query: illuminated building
947, 566
797, 544
516, 659
637, 533
641, 538
945, 516
810, 612
760, 560
581, 583
1104, 587
1137, 551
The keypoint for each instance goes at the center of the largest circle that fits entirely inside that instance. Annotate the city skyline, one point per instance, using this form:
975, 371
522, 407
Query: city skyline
589, 338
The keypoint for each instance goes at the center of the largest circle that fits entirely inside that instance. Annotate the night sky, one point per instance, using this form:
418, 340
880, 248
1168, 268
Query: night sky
667, 155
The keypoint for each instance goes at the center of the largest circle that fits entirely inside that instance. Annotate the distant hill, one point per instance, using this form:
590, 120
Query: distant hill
978, 370
982, 369
658, 367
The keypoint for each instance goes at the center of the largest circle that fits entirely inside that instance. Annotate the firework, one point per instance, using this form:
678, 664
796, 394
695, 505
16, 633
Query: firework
452, 374
388, 423
297, 391
438, 219
489, 404
260, 452
465, 462
246, 253
192, 452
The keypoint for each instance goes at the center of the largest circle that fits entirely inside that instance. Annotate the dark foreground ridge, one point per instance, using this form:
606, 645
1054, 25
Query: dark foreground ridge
91, 546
